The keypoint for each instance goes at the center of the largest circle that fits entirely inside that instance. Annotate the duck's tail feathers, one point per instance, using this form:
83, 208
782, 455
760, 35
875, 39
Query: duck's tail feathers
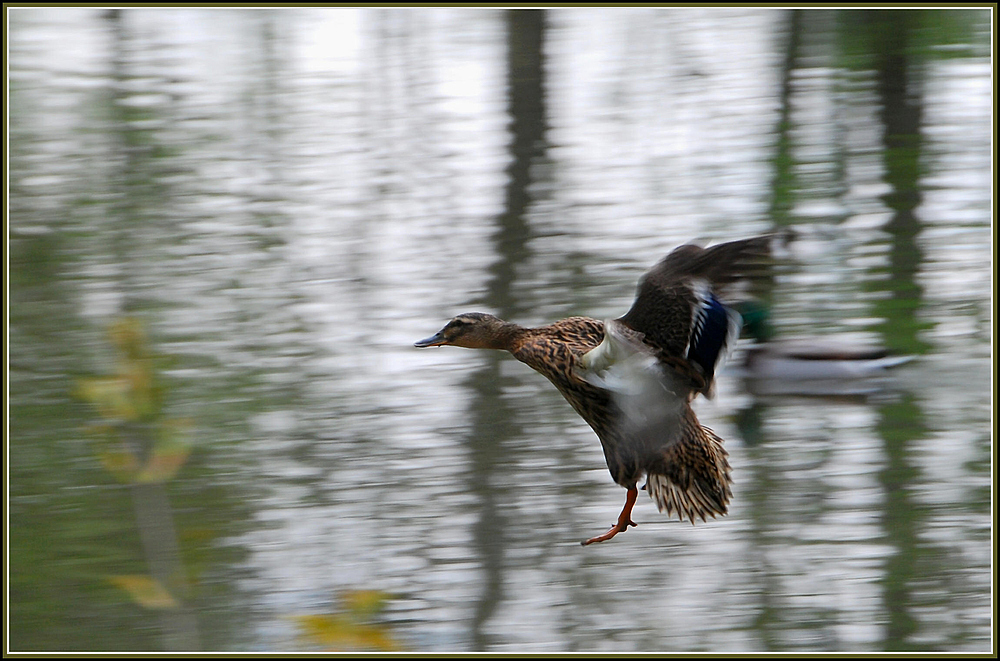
694, 480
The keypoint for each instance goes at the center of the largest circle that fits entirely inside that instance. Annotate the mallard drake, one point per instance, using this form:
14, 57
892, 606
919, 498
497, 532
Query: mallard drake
632, 379
813, 366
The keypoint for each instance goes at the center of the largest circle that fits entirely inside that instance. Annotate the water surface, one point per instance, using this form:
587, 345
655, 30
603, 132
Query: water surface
284, 200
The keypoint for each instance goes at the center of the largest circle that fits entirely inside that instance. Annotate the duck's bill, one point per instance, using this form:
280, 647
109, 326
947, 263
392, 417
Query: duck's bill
435, 340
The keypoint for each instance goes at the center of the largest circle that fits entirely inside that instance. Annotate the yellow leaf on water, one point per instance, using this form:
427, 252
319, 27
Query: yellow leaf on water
162, 465
169, 453
145, 591
122, 464
339, 632
138, 374
111, 395
365, 603
128, 336
327, 630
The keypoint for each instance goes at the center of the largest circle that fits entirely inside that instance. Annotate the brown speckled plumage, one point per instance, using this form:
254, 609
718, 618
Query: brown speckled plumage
650, 430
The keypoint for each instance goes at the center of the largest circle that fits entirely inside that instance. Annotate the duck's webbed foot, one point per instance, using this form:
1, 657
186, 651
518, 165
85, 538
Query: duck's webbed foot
624, 519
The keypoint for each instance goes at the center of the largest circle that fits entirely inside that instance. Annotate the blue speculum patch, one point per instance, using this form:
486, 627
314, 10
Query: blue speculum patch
710, 334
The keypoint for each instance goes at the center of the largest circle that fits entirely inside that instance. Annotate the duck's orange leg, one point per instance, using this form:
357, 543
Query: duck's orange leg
624, 519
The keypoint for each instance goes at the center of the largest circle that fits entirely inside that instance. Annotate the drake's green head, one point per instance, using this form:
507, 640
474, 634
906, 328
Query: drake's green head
756, 320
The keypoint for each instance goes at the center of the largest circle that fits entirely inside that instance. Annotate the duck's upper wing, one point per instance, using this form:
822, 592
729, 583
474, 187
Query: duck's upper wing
677, 310
720, 265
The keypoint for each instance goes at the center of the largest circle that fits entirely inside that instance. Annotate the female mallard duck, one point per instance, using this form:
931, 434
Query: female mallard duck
633, 378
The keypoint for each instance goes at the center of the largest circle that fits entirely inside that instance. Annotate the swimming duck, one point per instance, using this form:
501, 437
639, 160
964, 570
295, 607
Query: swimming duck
813, 366
632, 379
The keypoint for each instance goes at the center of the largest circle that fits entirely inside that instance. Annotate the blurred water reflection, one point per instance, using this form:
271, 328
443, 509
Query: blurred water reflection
289, 198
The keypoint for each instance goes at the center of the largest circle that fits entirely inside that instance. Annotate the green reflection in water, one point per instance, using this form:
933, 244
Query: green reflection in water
894, 44
144, 449
74, 540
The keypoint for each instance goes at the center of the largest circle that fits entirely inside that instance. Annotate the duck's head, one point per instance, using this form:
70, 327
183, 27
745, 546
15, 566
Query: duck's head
474, 330
756, 320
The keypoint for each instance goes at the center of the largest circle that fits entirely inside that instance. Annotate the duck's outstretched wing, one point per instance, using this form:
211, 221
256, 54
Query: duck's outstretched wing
720, 265
678, 313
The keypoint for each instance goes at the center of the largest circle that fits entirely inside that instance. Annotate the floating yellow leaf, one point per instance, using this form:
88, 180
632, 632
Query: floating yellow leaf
110, 451
139, 376
111, 395
340, 632
128, 336
145, 591
169, 453
364, 603
122, 464
162, 465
